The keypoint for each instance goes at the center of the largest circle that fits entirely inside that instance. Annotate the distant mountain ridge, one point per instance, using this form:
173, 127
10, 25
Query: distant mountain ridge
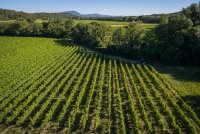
85, 15
6, 14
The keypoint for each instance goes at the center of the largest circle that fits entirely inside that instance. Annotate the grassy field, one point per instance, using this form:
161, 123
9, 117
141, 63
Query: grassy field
8, 21
48, 86
99, 21
115, 24
186, 80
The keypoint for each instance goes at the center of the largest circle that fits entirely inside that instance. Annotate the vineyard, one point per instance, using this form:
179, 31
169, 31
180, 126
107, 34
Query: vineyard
49, 87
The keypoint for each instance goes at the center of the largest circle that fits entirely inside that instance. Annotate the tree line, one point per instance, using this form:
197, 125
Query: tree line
154, 18
6, 15
175, 40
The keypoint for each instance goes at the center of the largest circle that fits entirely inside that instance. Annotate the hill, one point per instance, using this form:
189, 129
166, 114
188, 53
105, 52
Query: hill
18, 15
6, 14
85, 15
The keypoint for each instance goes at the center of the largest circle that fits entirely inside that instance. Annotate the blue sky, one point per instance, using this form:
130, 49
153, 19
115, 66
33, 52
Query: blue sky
109, 7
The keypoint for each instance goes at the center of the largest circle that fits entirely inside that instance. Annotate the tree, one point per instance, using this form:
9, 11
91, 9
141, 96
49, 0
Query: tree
54, 29
14, 29
133, 35
99, 33
25, 29
163, 19
129, 42
91, 35
68, 28
174, 42
193, 44
36, 29
118, 37
193, 12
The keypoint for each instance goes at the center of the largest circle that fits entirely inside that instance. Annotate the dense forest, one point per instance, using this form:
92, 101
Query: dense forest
175, 40
31, 17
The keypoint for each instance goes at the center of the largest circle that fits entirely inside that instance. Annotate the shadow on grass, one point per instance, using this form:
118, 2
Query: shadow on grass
194, 102
190, 74
63, 42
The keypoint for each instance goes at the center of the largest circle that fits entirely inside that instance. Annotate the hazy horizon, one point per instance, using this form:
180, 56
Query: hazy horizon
109, 7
